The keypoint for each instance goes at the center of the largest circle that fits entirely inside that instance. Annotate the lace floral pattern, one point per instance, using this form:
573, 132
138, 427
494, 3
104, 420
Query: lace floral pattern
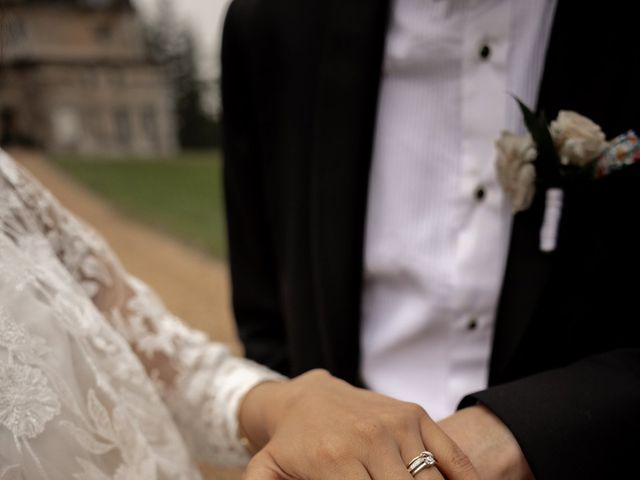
27, 402
98, 381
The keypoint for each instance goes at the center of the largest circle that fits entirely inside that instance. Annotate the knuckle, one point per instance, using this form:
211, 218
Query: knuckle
389, 418
397, 421
318, 373
317, 380
369, 430
312, 378
416, 410
332, 450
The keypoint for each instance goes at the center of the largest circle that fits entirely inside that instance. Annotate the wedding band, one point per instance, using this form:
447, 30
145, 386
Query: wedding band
419, 463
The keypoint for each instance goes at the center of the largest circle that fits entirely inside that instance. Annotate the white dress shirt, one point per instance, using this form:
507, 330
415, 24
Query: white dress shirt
438, 224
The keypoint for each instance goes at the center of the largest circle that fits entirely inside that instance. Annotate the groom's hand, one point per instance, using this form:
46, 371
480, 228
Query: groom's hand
489, 444
316, 427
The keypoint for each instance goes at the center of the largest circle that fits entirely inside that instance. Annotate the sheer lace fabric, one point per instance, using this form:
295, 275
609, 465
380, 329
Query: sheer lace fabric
98, 380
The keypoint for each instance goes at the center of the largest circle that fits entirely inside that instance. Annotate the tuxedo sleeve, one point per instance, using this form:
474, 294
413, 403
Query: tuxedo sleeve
581, 421
251, 255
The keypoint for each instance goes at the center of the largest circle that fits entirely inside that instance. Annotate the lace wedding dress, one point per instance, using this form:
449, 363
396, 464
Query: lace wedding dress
98, 380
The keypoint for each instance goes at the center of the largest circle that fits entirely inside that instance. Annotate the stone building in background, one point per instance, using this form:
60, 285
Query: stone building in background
75, 77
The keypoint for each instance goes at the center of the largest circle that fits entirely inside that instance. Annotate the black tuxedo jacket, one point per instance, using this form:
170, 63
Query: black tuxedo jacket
300, 88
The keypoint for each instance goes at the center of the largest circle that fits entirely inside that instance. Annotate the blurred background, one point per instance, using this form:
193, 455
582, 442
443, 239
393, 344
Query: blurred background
114, 106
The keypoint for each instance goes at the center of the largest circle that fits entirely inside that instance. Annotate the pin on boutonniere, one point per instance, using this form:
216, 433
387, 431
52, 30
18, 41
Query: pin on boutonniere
549, 155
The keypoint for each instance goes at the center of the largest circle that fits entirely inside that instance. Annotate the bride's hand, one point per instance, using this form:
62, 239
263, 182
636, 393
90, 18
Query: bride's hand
317, 427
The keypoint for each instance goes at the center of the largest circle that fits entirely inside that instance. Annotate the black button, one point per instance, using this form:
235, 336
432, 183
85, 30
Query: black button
472, 324
480, 193
485, 52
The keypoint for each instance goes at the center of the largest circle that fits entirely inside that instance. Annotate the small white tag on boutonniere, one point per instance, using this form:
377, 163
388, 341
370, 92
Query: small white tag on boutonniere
551, 219
547, 157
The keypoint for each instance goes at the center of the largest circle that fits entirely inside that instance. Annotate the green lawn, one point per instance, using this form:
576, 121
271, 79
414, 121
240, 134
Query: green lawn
181, 196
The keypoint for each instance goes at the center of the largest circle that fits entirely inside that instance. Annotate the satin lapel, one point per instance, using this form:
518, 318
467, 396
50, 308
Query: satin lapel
345, 111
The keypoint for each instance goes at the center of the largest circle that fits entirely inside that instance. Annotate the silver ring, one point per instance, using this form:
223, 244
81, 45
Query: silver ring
419, 463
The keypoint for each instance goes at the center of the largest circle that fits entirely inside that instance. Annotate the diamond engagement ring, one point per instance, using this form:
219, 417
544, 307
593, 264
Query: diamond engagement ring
422, 461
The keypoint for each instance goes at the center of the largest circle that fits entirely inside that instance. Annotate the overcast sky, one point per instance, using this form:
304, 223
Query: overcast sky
205, 16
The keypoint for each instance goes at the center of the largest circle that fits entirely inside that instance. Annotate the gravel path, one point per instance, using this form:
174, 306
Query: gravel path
193, 285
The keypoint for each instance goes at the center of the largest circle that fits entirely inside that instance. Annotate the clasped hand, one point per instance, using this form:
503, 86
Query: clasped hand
316, 427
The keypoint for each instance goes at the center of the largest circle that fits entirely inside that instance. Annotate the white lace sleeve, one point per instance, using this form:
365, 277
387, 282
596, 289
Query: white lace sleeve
200, 381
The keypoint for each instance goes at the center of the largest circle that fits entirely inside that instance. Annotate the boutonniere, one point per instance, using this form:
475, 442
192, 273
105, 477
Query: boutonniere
550, 155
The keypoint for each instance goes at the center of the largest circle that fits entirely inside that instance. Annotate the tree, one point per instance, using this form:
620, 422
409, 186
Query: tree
173, 46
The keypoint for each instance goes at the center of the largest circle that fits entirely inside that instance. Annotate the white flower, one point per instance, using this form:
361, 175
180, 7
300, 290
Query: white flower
27, 402
514, 168
578, 140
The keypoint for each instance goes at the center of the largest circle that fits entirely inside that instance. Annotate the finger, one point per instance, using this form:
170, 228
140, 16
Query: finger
263, 467
354, 470
429, 473
411, 442
453, 463
390, 458
385, 461
393, 466
413, 445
